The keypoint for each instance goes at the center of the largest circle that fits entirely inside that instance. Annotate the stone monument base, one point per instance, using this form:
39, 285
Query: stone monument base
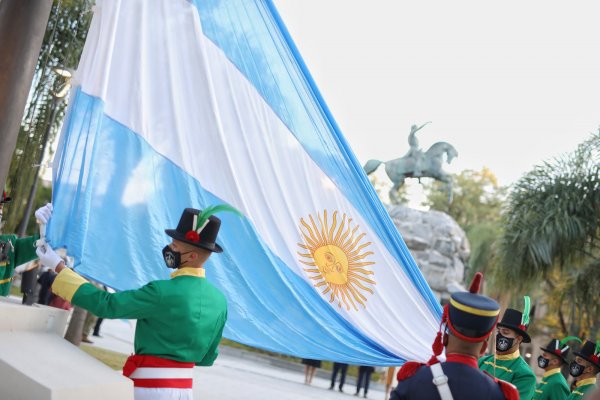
37, 363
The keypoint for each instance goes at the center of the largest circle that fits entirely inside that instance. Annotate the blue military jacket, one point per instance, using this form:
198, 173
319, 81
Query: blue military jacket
466, 382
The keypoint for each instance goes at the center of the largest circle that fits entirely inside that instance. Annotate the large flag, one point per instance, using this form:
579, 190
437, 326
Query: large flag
184, 103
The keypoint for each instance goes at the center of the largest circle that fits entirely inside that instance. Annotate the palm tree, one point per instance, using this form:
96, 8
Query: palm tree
552, 223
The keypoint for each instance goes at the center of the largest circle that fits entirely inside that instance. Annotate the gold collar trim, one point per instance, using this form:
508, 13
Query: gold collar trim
510, 356
551, 372
197, 272
588, 381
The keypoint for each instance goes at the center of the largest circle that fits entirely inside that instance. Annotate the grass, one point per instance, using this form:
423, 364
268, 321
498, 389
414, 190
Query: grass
111, 358
116, 360
326, 365
15, 291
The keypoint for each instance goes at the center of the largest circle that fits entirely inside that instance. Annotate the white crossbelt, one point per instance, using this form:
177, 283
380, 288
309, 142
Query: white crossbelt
440, 380
162, 373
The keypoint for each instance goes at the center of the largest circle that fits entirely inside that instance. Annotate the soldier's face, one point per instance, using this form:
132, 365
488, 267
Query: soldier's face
509, 333
585, 364
554, 360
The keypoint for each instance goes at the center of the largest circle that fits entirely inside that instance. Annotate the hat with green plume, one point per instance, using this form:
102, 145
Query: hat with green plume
518, 321
590, 352
200, 227
559, 347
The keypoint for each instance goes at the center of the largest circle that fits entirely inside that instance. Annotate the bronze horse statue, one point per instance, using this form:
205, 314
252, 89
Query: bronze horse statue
417, 164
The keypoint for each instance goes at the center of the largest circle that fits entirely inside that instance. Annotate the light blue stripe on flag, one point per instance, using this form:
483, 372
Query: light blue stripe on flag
270, 307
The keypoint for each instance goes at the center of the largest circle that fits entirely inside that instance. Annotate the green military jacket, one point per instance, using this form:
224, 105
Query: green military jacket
14, 251
513, 369
581, 388
181, 319
553, 386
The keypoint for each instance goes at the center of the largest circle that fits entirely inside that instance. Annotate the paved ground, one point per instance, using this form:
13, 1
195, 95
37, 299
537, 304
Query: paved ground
238, 374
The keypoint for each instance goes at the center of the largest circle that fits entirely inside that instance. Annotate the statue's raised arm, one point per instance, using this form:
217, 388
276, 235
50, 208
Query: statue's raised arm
413, 142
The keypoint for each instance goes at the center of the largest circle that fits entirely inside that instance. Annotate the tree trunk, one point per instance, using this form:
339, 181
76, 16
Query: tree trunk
75, 328
22, 28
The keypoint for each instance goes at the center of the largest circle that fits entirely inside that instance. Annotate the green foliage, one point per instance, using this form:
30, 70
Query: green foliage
61, 47
476, 206
483, 239
551, 237
477, 198
553, 215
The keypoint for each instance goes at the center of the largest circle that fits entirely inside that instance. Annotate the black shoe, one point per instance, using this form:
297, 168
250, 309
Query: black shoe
340, 389
331, 387
96, 334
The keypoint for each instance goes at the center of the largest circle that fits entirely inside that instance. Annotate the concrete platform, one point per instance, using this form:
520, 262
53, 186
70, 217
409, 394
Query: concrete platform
37, 363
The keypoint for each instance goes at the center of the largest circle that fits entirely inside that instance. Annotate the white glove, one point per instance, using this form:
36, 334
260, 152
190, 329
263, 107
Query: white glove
43, 214
48, 256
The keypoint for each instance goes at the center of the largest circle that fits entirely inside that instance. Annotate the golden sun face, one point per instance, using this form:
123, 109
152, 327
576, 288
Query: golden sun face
338, 259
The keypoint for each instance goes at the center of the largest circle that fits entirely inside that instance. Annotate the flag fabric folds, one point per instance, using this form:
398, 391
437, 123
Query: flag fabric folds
192, 103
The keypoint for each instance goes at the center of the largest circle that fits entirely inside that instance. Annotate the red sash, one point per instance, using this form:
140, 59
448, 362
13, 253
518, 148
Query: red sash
136, 361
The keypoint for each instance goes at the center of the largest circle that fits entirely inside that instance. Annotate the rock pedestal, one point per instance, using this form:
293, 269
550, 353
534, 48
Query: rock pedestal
438, 245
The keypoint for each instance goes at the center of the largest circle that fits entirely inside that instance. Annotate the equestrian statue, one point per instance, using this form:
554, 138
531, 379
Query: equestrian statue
417, 164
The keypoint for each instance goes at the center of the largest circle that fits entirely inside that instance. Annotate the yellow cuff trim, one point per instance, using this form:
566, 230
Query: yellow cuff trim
474, 311
551, 372
510, 356
198, 272
66, 284
588, 381
5, 280
3, 263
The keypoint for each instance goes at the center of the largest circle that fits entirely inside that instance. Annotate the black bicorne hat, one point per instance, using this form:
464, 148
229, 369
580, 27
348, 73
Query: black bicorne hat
200, 227
513, 319
560, 348
204, 236
590, 352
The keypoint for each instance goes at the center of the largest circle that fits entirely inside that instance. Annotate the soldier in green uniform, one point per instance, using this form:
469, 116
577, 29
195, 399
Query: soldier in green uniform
507, 364
584, 369
179, 320
553, 385
14, 251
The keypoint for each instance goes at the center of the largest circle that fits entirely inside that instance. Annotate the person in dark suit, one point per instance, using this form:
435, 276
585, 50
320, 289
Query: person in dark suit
468, 321
342, 369
364, 377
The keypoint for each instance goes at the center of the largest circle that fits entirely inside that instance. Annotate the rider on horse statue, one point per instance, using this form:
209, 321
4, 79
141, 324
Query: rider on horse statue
417, 164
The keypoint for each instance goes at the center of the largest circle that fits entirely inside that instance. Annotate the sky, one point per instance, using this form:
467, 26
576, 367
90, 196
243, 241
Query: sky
509, 84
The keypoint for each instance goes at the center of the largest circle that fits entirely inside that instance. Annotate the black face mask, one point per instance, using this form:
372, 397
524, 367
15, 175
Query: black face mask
543, 362
503, 343
576, 369
172, 258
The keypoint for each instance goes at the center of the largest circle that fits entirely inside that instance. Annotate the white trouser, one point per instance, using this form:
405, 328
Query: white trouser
163, 394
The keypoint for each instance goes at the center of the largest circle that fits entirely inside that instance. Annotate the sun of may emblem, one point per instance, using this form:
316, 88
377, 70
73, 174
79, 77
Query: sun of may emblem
337, 258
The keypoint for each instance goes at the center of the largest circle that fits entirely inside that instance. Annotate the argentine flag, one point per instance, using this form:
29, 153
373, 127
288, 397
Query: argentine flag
184, 103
